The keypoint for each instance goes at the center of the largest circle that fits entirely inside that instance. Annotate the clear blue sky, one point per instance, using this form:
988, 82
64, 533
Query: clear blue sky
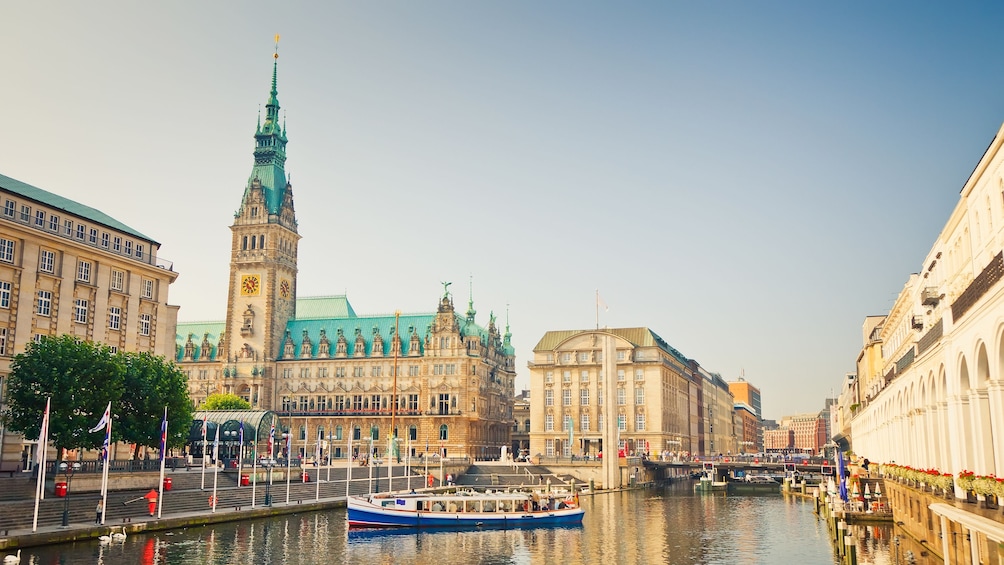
747, 179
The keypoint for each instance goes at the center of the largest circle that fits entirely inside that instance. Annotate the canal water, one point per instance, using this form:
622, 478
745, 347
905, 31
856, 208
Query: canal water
663, 525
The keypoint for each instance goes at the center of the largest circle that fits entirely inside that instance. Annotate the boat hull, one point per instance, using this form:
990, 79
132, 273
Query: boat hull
362, 514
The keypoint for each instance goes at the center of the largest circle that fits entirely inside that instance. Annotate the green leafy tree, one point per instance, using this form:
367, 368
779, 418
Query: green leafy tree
225, 402
80, 377
152, 383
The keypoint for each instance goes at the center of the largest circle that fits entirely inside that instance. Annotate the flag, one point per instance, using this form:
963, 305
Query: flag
216, 445
163, 435
271, 440
240, 441
841, 476
317, 452
103, 423
43, 436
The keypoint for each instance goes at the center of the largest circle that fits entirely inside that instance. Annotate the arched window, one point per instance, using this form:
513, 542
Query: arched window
413, 433
356, 433
338, 432
444, 432
303, 433
375, 433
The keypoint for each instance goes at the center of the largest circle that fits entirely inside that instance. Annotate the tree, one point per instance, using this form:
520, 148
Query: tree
80, 377
225, 402
152, 383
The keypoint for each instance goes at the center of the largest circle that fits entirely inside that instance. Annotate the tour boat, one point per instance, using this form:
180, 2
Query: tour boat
464, 509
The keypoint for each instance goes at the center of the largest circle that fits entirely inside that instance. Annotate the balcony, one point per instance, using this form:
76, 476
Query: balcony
930, 296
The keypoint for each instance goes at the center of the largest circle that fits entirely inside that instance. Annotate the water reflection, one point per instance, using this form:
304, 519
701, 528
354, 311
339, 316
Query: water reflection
671, 525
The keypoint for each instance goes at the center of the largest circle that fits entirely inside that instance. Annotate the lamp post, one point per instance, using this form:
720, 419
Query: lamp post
68, 470
230, 436
268, 464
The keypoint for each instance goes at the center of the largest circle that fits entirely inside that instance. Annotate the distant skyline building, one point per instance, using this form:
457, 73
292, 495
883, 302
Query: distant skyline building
67, 268
438, 381
749, 395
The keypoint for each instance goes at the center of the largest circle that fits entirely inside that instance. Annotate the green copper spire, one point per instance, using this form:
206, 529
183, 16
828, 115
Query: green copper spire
507, 338
270, 146
470, 301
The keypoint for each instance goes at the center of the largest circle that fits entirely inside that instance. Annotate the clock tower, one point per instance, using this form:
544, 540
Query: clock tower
261, 295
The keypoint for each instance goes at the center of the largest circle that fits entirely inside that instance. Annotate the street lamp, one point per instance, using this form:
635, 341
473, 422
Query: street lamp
67, 470
268, 464
230, 436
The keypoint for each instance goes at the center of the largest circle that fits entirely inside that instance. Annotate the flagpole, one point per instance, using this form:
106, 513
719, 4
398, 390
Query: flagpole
317, 465
597, 308
205, 447
216, 469
289, 457
240, 454
163, 458
43, 441
254, 468
330, 449
303, 475
107, 458
348, 466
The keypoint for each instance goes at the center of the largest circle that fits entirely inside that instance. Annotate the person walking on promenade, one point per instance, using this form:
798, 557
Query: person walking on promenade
99, 512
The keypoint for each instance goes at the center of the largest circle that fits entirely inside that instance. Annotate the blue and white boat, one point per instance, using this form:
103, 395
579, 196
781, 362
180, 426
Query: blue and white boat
464, 509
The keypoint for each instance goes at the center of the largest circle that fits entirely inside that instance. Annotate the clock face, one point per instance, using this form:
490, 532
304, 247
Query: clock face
250, 285
284, 288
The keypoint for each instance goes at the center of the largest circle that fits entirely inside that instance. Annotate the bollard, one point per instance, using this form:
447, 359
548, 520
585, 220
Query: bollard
841, 526
851, 550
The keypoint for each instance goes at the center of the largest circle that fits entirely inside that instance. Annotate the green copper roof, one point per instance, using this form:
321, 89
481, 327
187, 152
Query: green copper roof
407, 323
319, 307
67, 205
198, 330
639, 337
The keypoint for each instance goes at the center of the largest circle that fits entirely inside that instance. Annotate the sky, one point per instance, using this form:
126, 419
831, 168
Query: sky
749, 180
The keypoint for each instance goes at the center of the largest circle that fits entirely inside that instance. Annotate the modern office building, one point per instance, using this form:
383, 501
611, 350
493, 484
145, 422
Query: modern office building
747, 394
437, 381
67, 268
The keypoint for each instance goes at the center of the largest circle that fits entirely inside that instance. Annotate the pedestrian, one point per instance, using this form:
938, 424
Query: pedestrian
99, 512
449, 479
429, 480
151, 499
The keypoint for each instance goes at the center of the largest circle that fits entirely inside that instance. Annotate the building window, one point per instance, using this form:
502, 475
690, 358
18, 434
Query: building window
620, 375
622, 422
118, 280
104, 240
4, 294
38, 338
68, 228
549, 377
25, 213
548, 397
139, 251
599, 422
128, 247
53, 222
566, 376
566, 357
48, 261
144, 324
44, 303
339, 371
639, 374
549, 423
3, 341
81, 231
599, 396
80, 311
92, 236
39, 218
358, 371
621, 397
639, 422
584, 377
8, 208
84, 271
566, 397
583, 357
620, 356
444, 432
549, 447
6, 250
584, 396
584, 423
114, 317
566, 423
117, 244
639, 396
147, 288
287, 373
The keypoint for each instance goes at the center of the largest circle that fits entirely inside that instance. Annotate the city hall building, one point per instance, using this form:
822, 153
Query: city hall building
438, 381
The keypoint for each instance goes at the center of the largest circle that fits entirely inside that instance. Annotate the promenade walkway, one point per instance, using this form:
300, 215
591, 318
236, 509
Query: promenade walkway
186, 504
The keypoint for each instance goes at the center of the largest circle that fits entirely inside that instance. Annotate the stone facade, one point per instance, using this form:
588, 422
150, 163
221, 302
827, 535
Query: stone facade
66, 268
439, 380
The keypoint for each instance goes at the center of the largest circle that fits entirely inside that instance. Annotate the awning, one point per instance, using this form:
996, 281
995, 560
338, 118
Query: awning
257, 423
